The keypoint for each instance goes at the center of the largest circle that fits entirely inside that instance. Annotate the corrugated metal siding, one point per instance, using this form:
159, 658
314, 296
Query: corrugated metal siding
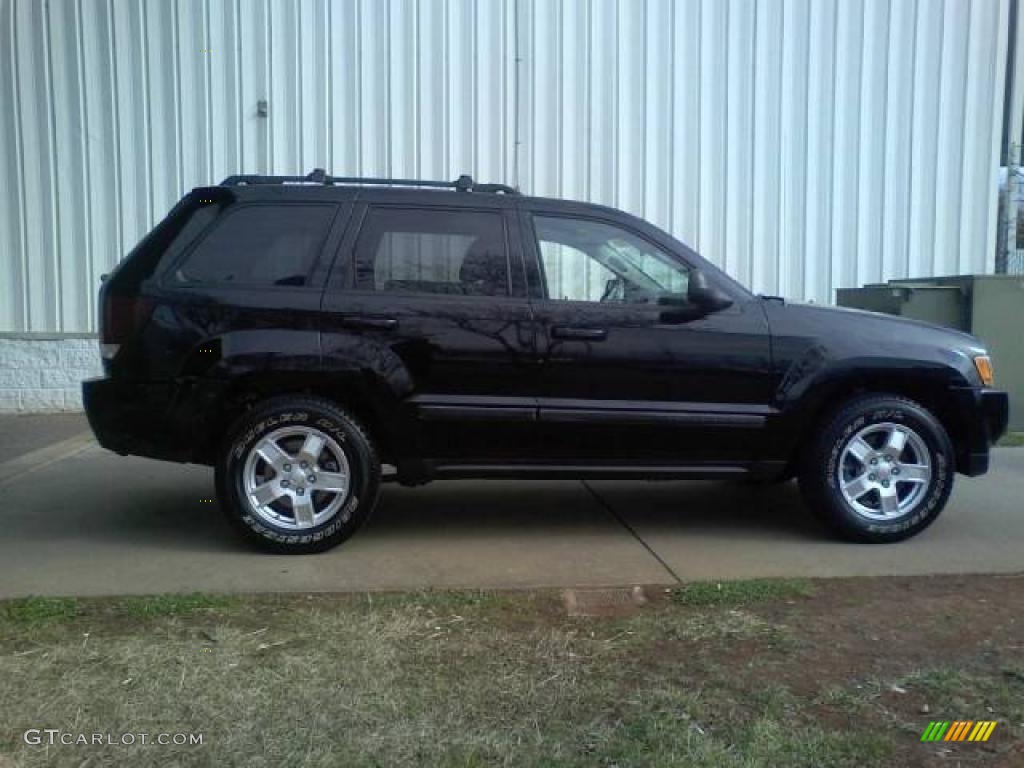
804, 145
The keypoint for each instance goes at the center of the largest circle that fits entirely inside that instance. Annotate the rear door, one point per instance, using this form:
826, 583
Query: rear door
430, 304
625, 379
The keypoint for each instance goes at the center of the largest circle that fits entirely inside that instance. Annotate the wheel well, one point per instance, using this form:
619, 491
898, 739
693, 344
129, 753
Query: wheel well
247, 394
932, 395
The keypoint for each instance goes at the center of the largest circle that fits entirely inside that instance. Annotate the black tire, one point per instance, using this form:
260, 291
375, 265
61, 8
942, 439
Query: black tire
327, 419
820, 469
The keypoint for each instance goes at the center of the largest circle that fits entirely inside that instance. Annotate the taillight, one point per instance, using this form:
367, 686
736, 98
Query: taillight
122, 317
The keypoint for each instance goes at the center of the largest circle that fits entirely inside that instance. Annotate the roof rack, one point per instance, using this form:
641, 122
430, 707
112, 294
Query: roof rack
464, 183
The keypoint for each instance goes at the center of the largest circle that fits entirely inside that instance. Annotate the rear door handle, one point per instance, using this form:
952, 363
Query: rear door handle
370, 323
579, 334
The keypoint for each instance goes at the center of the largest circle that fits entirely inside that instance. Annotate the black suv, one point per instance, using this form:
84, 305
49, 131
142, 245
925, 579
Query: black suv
299, 332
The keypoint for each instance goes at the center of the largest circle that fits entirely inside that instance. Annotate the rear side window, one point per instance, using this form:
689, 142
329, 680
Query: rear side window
460, 253
260, 245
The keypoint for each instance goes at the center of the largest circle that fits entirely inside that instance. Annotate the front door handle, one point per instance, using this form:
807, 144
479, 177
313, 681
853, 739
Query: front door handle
370, 323
578, 334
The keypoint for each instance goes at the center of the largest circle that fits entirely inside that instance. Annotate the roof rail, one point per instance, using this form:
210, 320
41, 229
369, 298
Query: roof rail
464, 183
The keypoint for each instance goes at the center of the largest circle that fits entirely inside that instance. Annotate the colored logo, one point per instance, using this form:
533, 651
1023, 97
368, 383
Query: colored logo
959, 730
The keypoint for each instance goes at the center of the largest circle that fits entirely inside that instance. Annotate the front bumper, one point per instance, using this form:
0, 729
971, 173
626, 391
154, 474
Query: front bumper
985, 415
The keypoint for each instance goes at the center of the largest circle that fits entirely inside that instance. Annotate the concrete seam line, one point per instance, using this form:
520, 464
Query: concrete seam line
43, 457
622, 521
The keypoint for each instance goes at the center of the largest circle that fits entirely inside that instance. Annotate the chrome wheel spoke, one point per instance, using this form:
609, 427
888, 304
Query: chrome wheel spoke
271, 452
267, 492
333, 482
859, 449
305, 513
311, 448
857, 487
914, 473
895, 442
890, 500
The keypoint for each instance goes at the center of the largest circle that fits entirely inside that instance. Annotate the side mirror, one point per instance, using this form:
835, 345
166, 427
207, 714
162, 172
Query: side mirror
703, 295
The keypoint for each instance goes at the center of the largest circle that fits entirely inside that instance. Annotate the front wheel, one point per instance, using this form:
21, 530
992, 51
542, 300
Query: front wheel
298, 475
881, 470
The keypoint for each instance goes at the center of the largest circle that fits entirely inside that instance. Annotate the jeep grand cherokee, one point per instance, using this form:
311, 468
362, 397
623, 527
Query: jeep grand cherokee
299, 332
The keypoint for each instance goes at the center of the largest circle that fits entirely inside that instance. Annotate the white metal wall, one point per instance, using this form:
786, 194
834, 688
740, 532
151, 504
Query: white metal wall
804, 145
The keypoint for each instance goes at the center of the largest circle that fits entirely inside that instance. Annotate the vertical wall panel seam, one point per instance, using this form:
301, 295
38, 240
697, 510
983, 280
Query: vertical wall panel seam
1000, 66
22, 189
910, 142
474, 120
805, 250
670, 111
268, 42
963, 137
446, 88
752, 193
559, 112
588, 96
388, 127
780, 179
208, 83
883, 105
723, 161
116, 122
854, 268
327, 88
698, 23
328, 8
84, 148
357, 88
298, 119
53, 170
938, 147
179, 127
417, 125
830, 267
644, 84
147, 111
239, 111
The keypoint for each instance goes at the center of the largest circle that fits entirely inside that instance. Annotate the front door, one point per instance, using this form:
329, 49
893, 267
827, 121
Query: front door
628, 377
436, 317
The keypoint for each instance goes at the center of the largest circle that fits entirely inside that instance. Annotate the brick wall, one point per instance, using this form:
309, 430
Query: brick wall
44, 373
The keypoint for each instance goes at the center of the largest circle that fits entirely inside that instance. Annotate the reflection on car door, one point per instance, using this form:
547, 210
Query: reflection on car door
624, 379
434, 309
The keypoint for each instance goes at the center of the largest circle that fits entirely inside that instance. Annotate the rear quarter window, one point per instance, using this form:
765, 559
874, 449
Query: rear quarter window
259, 245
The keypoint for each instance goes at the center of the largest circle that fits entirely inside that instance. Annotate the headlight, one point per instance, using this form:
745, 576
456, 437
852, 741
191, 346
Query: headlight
984, 365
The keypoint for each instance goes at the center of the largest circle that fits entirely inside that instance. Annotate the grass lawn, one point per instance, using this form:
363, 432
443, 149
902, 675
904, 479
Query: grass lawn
740, 674
1014, 439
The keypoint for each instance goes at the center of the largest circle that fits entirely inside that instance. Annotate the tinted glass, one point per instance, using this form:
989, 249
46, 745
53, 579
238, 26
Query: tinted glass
430, 251
260, 245
593, 261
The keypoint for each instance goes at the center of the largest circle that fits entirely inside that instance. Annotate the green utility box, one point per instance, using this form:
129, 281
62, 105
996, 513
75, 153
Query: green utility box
989, 306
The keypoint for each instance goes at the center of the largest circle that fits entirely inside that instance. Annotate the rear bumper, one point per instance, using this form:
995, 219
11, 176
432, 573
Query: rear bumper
986, 413
133, 418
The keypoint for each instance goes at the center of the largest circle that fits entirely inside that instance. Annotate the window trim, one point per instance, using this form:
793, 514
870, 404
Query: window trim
530, 224
167, 280
351, 284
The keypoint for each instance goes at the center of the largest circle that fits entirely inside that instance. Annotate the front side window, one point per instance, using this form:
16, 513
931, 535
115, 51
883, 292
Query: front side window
260, 245
460, 253
586, 260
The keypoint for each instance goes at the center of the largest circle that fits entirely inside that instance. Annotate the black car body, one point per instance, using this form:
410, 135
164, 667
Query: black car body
483, 373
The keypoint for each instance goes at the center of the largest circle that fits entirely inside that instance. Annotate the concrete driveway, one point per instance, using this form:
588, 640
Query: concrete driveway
78, 520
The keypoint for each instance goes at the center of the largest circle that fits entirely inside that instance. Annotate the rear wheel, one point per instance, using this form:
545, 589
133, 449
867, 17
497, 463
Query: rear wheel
298, 475
881, 470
